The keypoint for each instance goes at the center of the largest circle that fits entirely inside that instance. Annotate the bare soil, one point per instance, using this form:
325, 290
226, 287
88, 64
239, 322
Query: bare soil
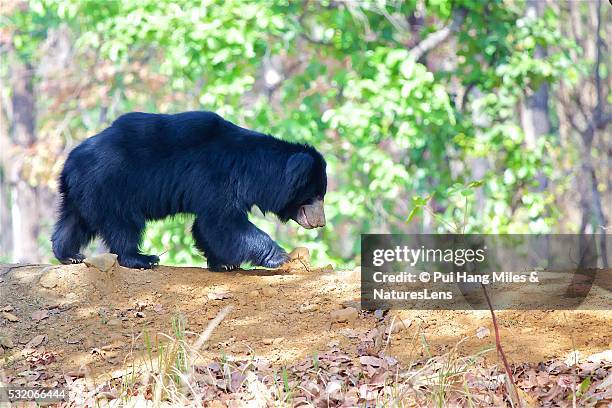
88, 318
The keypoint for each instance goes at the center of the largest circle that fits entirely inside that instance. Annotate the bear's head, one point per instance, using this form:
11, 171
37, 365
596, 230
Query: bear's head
305, 179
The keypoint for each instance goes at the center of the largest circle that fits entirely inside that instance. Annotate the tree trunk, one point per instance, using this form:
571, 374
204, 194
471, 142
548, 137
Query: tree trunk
24, 200
596, 124
6, 226
535, 116
479, 165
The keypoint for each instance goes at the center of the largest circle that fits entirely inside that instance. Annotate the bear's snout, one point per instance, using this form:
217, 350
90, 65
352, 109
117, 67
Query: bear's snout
311, 215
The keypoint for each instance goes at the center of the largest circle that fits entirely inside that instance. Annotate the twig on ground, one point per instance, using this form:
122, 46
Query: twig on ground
208, 332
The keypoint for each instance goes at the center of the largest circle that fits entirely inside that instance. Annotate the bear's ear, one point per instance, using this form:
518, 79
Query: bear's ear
298, 168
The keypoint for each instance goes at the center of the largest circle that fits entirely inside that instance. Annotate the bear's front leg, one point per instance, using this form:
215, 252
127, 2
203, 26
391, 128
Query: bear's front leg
233, 241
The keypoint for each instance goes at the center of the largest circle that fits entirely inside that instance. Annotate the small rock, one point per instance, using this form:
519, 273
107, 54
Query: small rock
482, 332
301, 253
269, 291
268, 341
39, 315
254, 293
36, 341
344, 315
308, 307
114, 322
7, 308
103, 262
48, 279
10, 317
139, 314
219, 295
351, 303
277, 341
6, 342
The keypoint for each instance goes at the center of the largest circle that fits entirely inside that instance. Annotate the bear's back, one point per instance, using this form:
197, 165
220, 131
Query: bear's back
167, 131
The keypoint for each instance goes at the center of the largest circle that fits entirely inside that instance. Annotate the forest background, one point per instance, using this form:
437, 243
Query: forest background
433, 116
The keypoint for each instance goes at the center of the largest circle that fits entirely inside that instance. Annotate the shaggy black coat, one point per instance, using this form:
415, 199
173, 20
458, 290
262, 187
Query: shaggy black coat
149, 166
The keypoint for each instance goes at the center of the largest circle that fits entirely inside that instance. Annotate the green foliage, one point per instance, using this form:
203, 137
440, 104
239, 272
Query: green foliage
397, 137
171, 240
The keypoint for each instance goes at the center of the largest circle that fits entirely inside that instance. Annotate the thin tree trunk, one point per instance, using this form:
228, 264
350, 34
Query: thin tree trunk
6, 226
534, 110
601, 219
596, 125
24, 200
479, 165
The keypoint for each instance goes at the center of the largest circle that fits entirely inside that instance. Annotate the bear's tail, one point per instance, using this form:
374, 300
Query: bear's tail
71, 232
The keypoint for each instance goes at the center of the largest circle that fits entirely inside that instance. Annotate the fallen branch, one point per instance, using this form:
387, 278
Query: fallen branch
511, 385
203, 338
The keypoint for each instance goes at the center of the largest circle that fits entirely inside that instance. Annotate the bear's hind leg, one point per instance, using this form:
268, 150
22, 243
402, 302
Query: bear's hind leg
70, 234
123, 238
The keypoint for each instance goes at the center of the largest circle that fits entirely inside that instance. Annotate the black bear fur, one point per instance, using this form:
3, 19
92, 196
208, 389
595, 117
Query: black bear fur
150, 166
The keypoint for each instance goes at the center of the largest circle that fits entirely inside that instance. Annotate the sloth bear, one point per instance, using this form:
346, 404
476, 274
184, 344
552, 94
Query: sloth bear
149, 166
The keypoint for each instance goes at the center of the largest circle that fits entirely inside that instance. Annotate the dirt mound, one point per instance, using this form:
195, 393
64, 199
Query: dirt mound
86, 317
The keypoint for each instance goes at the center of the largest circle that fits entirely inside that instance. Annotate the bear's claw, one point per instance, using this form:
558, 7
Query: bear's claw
214, 267
139, 261
75, 259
